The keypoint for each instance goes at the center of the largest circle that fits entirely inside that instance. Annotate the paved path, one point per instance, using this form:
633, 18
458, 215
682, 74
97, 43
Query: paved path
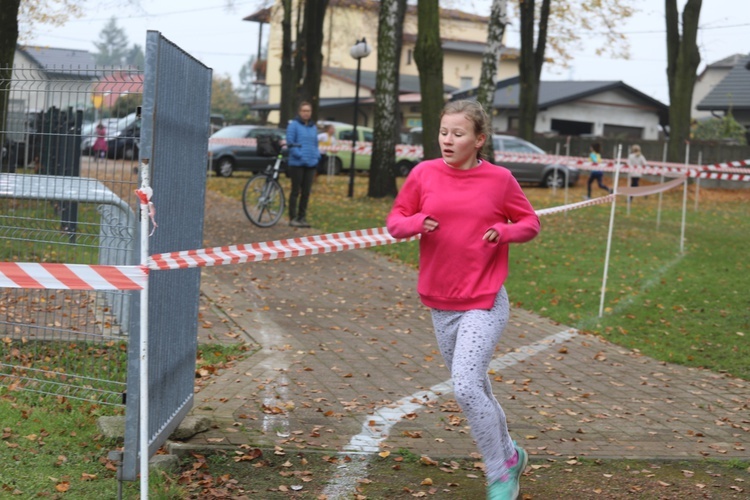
346, 361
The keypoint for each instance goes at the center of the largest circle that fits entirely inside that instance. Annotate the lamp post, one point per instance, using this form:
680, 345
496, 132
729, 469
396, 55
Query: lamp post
359, 50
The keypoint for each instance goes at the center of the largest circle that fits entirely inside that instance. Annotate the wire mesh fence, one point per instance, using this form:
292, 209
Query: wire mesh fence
70, 140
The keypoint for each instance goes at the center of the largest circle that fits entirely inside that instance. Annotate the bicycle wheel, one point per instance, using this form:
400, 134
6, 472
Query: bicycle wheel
263, 200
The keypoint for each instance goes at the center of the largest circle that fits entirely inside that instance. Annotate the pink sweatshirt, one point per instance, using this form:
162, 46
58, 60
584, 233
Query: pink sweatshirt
458, 270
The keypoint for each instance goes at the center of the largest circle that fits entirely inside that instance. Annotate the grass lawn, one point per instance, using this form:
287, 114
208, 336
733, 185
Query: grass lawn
685, 307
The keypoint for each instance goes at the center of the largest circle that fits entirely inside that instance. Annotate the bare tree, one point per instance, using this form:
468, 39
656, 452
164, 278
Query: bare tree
683, 59
8, 38
570, 21
387, 119
428, 54
311, 48
288, 84
301, 63
532, 59
495, 32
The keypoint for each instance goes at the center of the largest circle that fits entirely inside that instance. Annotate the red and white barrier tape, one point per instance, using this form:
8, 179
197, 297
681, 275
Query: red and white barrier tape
575, 206
415, 152
270, 250
83, 277
72, 276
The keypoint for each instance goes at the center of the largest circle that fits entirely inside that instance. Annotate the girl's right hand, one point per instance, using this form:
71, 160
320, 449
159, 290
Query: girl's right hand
430, 225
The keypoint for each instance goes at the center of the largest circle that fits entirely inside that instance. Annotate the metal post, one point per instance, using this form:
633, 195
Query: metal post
609, 231
358, 51
698, 181
354, 131
143, 428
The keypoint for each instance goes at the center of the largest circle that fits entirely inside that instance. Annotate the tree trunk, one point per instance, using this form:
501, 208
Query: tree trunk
683, 59
288, 85
486, 91
428, 54
530, 70
8, 39
387, 115
312, 32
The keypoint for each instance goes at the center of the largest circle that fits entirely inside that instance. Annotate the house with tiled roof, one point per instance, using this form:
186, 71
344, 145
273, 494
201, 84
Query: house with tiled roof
731, 94
580, 108
708, 79
47, 76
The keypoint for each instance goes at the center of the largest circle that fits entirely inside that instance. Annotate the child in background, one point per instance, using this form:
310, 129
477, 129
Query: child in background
595, 156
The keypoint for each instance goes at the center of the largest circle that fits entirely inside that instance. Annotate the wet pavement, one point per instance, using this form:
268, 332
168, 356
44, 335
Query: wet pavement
344, 360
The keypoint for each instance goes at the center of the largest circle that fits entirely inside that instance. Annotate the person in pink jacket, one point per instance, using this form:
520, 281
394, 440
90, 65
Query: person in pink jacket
468, 211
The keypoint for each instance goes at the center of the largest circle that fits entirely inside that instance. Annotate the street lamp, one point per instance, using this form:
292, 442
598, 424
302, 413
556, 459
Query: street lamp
359, 50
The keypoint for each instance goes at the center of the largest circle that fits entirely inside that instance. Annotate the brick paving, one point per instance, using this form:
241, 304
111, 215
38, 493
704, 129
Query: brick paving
339, 339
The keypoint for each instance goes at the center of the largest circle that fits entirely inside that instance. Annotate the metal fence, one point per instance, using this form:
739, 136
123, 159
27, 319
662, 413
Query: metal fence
701, 152
61, 203
174, 142
71, 141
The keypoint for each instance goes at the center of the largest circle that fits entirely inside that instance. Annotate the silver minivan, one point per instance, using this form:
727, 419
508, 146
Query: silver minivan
543, 174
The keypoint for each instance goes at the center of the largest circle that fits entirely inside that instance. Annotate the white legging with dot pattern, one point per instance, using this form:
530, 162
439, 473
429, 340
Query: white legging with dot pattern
467, 341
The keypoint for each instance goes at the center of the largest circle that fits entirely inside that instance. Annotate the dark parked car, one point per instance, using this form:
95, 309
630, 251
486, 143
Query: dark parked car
542, 174
126, 142
123, 137
234, 148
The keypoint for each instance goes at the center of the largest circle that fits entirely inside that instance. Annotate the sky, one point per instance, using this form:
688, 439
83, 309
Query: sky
217, 36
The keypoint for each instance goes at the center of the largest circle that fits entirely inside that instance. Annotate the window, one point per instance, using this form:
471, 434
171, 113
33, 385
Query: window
467, 82
409, 54
367, 136
513, 122
571, 127
623, 132
514, 146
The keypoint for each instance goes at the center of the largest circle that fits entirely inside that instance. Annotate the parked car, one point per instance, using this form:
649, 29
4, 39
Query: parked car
342, 160
542, 174
123, 137
234, 148
532, 172
125, 142
404, 164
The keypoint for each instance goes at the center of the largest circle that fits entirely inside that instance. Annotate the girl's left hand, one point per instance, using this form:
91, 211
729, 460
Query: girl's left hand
491, 236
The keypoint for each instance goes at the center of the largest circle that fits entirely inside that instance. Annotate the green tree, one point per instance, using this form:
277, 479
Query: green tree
387, 115
428, 54
113, 45
225, 101
683, 59
126, 104
725, 128
135, 57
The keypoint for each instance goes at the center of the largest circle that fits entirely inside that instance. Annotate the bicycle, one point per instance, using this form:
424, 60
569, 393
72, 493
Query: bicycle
263, 198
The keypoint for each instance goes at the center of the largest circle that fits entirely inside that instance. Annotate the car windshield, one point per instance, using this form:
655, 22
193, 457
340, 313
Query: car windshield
123, 123
230, 133
513, 145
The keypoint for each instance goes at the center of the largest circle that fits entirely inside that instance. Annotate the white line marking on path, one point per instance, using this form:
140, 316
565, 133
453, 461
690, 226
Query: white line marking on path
377, 426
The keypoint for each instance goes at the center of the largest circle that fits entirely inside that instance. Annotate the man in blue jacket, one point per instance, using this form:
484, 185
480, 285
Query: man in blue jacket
304, 156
